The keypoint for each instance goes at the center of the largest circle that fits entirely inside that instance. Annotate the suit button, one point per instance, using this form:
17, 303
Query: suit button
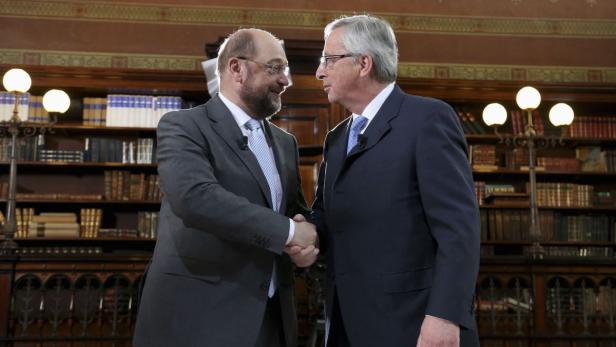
264, 286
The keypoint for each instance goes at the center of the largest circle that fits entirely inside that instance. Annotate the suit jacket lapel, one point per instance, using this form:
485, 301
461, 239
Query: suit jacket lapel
337, 158
336, 151
380, 124
225, 126
281, 163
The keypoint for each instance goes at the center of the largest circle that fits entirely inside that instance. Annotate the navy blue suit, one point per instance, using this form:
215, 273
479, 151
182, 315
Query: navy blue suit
399, 223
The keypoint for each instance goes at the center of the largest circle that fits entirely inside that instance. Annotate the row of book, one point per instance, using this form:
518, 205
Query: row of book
578, 252
27, 148
482, 189
90, 220
514, 225
147, 225
56, 196
484, 157
471, 123
562, 194
602, 127
593, 159
551, 194
56, 155
52, 225
558, 164
138, 111
118, 185
519, 120
124, 185
30, 108
96, 149
67, 225
136, 151
593, 228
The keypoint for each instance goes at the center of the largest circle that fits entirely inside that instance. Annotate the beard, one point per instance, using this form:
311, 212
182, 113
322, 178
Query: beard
262, 101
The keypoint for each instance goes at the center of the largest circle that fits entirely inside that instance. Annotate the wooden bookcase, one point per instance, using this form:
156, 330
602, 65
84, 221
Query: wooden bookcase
568, 297
84, 291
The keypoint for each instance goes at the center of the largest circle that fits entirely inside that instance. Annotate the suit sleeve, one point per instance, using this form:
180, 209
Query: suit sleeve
447, 194
195, 196
298, 200
317, 217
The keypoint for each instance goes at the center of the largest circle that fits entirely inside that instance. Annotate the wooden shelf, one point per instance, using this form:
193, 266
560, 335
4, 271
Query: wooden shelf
90, 129
545, 173
83, 239
572, 208
492, 138
550, 243
88, 202
62, 165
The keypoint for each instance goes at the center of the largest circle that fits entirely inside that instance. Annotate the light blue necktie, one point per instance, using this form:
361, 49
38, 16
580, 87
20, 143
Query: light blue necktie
356, 127
259, 147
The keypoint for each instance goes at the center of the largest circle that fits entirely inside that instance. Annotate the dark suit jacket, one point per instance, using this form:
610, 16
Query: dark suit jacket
399, 223
218, 236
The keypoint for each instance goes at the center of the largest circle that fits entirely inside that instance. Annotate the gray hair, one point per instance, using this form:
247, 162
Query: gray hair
373, 36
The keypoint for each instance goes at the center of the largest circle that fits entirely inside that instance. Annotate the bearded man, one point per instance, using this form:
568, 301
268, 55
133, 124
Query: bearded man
219, 274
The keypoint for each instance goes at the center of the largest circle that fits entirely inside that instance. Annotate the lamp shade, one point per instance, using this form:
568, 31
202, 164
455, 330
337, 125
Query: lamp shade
16, 80
561, 114
494, 114
56, 100
528, 98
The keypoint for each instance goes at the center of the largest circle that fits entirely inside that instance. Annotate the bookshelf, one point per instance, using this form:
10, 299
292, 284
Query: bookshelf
567, 298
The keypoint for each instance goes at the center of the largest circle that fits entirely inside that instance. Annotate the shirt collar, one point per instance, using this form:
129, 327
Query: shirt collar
375, 105
238, 114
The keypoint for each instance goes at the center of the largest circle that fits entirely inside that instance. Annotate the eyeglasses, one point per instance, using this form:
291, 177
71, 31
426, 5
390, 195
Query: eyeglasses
330, 60
272, 69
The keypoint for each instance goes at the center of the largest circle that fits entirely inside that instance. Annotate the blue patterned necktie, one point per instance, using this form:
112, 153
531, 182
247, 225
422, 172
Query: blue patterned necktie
259, 147
356, 127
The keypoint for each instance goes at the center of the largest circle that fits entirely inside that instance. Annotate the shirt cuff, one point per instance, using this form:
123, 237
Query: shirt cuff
291, 231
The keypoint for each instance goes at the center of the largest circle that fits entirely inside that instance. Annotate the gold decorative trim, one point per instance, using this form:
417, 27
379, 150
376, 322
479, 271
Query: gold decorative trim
303, 19
100, 60
479, 72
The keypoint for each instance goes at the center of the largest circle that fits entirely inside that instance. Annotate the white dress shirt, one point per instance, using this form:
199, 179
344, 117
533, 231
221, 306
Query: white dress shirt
375, 105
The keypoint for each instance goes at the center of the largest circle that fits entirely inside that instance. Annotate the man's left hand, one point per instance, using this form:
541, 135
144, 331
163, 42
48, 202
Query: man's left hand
438, 332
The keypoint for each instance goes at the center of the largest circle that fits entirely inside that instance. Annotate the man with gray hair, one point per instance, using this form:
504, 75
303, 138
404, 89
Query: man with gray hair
219, 274
395, 206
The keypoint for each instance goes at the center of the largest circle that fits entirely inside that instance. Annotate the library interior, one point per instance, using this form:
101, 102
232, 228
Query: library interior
85, 84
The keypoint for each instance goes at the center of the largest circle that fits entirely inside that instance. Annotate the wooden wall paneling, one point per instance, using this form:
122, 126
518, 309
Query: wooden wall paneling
6, 279
308, 170
307, 123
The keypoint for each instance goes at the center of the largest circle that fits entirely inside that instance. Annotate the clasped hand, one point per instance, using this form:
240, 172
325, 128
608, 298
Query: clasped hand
303, 248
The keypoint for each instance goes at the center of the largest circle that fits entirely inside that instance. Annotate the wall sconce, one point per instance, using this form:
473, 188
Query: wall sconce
561, 115
17, 81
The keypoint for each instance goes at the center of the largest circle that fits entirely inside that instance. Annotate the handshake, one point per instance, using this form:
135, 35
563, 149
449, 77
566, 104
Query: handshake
303, 248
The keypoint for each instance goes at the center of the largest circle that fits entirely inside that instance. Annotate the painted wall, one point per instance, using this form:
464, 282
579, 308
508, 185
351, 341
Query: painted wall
543, 40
